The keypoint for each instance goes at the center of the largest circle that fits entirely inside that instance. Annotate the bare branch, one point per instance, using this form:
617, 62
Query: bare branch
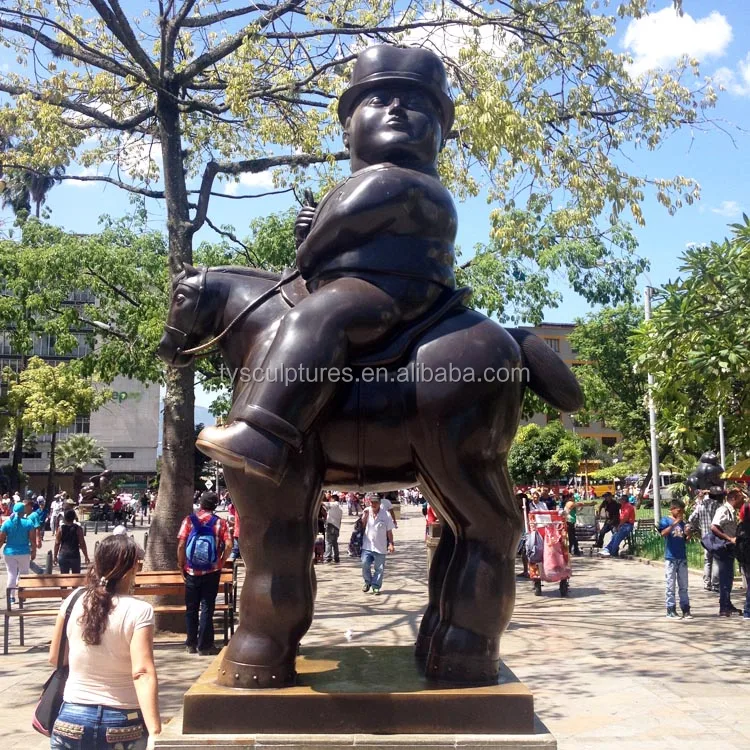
251, 257
245, 197
116, 289
198, 21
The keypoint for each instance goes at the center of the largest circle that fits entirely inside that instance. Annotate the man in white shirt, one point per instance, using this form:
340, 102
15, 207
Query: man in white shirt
377, 541
724, 526
334, 515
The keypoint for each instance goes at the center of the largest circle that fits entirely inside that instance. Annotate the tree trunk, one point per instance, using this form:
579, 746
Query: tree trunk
15, 478
77, 481
52, 470
174, 499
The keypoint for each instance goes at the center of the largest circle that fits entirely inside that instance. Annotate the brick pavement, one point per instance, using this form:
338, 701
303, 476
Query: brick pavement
609, 672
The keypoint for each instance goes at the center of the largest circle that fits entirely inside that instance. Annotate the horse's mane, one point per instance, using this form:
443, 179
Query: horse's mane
242, 271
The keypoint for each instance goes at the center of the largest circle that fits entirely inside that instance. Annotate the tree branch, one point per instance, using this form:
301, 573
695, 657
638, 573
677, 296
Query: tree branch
116, 289
118, 24
198, 21
253, 166
234, 42
65, 50
251, 257
245, 197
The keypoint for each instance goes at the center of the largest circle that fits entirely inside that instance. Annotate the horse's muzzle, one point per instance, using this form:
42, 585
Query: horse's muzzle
170, 352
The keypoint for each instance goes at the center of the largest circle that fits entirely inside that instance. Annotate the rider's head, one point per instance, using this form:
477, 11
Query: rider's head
397, 108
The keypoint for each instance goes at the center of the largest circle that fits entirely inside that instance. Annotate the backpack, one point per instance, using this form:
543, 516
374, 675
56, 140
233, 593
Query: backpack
534, 547
201, 552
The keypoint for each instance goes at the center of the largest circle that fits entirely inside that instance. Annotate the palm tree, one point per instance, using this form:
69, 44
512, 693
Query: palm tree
75, 454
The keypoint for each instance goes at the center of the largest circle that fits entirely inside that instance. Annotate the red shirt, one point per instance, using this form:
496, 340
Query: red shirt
221, 532
627, 512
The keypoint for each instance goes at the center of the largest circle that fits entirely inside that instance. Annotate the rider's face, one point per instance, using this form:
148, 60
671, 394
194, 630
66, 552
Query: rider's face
396, 124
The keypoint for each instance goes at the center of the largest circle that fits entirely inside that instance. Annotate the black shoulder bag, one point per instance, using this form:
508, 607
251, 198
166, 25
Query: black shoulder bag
50, 702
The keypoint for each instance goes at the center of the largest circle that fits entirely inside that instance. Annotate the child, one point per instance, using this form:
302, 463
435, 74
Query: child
675, 560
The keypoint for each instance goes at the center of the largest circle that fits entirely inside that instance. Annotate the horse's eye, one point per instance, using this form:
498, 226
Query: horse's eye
180, 297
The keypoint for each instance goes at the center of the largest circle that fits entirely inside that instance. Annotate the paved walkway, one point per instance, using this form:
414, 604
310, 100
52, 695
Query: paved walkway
608, 671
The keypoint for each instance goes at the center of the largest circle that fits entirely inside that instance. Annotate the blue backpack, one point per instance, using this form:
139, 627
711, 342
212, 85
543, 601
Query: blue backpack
201, 551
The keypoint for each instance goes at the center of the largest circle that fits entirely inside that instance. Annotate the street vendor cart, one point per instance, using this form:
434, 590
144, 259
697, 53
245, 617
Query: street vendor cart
547, 549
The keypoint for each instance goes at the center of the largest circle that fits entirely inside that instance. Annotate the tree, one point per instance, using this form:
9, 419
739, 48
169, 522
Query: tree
50, 397
546, 453
215, 91
697, 345
75, 454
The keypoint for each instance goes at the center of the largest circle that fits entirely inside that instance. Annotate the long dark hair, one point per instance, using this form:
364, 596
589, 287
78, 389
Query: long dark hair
115, 557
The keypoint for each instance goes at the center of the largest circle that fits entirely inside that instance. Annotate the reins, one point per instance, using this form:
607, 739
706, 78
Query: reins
257, 302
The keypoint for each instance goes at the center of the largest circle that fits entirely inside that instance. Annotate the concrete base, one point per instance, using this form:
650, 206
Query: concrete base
172, 738
370, 698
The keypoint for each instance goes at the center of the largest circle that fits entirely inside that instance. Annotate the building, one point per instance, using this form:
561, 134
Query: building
555, 335
127, 428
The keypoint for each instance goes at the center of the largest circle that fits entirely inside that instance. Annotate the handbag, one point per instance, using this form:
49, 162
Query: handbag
51, 699
534, 547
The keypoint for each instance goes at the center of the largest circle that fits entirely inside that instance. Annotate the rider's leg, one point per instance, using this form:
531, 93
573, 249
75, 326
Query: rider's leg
314, 340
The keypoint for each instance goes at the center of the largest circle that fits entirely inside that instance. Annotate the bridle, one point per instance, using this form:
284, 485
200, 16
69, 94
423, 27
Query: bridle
183, 336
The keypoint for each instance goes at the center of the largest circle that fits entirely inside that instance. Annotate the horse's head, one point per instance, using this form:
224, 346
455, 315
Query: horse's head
190, 319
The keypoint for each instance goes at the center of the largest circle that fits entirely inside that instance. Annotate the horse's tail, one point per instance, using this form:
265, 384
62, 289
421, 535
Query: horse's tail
548, 376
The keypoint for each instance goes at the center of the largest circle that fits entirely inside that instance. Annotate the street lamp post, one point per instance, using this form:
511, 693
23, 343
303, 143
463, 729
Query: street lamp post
652, 426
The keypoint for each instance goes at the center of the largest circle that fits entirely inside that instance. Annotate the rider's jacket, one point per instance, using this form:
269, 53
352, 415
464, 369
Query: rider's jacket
383, 219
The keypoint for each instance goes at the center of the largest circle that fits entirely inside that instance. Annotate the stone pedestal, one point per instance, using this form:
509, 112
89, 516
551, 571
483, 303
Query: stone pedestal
365, 697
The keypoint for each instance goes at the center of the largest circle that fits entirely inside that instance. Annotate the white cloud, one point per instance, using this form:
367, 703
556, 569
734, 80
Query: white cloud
659, 39
730, 209
251, 180
735, 81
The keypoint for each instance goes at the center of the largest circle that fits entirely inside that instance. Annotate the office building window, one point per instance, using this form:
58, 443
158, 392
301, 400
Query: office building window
609, 442
32, 454
553, 344
4, 454
121, 454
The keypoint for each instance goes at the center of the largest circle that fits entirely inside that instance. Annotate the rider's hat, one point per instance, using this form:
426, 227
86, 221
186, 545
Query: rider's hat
415, 66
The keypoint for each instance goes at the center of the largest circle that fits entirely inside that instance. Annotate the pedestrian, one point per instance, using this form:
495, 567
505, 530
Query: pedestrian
145, 501
235, 526
18, 535
377, 541
742, 552
523, 501
625, 526
69, 543
334, 516
570, 508
675, 533
56, 512
111, 695
204, 544
701, 520
611, 510
724, 526
387, 505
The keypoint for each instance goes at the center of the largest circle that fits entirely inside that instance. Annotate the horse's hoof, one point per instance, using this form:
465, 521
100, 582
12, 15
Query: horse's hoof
255, 677
462, 669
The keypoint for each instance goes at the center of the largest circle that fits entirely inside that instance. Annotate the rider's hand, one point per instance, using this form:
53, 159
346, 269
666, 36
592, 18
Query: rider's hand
303, 223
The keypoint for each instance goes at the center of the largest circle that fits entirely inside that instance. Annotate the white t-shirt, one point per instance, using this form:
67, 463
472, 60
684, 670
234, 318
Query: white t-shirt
103, 674
335, 514
385, 504
376, 531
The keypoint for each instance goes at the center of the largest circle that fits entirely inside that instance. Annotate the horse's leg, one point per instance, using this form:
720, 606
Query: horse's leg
276, 604
479, 585
438, 570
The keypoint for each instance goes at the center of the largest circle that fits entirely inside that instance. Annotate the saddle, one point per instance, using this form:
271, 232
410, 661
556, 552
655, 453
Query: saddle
398, 345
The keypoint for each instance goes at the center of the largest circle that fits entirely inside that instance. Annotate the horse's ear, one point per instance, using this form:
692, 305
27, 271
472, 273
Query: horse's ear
190, 270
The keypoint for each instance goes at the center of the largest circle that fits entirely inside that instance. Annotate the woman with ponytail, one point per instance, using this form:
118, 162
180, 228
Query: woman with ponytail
111, 696
18, 534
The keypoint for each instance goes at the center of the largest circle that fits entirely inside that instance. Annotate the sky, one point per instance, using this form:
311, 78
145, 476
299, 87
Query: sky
717, 32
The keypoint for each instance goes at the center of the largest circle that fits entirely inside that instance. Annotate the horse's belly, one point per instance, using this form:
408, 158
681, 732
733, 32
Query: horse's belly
365, 442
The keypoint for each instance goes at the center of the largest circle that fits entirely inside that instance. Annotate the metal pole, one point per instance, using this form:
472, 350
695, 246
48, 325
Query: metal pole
722, 447
652, 426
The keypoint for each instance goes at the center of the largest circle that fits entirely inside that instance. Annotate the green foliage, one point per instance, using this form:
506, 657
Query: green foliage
697, 345
50, 397
77, 451
545, 453
615, 394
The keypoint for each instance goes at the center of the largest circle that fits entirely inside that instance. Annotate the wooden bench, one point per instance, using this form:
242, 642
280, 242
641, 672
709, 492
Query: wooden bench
50, 590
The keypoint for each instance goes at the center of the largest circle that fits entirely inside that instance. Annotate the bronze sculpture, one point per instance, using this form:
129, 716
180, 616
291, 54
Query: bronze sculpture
375, 289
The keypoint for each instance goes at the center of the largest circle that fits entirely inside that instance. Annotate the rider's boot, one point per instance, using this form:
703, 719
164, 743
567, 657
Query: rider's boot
262, 448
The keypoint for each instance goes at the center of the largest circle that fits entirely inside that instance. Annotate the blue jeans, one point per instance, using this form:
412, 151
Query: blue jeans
80, 727
200, 597
676, 572
622, 533
377, 560
725, 564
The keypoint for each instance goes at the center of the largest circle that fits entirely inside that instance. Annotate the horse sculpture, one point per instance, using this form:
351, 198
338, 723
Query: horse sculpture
439, 407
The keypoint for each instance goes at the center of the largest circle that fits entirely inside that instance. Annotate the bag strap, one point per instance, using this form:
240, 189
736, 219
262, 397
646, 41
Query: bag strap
64, 637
